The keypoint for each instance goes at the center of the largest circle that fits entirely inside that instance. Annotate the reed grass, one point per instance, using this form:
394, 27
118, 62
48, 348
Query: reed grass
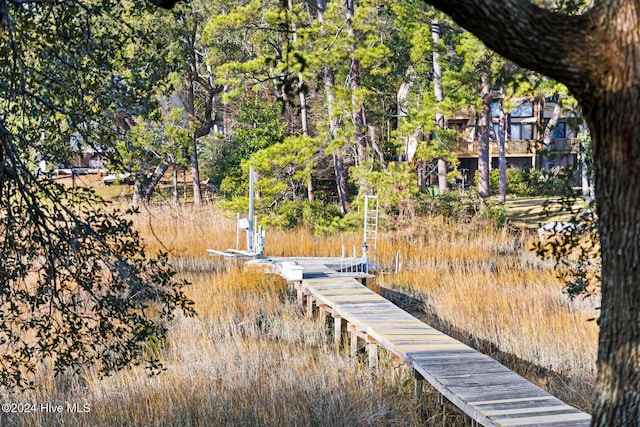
489, 286
485, 283
250, 357
482, 282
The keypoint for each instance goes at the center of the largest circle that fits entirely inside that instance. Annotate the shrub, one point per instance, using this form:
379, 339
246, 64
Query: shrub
533, 182
494, 213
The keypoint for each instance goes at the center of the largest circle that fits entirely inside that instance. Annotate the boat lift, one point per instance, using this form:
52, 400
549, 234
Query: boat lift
255, 233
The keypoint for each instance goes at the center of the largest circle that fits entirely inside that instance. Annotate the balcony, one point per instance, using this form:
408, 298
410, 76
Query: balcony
512, 148
569, 145
517, 148
465, 148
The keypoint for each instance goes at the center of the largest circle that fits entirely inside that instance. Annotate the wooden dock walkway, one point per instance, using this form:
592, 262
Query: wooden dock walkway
488, 392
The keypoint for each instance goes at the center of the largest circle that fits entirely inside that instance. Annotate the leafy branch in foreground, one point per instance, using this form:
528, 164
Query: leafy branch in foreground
76, 287
574, 246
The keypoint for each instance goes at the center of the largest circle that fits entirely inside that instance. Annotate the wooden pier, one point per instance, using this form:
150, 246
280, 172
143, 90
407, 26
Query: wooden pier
488, 392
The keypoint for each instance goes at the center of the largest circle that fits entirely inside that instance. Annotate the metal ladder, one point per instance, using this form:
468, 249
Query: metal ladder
370, 243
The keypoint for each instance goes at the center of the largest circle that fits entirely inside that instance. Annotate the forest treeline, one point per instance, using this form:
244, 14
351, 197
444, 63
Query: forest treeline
327, 100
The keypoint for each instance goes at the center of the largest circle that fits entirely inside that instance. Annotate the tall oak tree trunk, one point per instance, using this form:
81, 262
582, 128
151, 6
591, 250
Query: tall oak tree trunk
596, 55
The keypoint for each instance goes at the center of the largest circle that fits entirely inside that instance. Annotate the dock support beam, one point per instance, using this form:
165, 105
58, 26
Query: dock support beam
372, 351
323, 309
300, 293
418, 383
353, 343
309, 306
337, 331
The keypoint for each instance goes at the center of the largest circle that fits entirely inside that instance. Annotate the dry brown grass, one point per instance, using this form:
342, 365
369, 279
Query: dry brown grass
479, 281
187, 231
485, 284
250, 358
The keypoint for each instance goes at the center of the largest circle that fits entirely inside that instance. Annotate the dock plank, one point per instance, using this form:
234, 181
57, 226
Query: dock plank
487, 391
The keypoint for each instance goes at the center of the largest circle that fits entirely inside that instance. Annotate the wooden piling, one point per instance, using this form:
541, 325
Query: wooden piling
337, 331
309, 314
353, 342
372, 351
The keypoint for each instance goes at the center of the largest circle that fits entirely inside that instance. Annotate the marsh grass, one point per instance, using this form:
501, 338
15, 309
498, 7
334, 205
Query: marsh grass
250, 357
484, 284
488, 287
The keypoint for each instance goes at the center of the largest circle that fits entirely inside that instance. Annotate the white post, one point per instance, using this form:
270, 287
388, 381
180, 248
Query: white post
238, 231
354, 260
251, 196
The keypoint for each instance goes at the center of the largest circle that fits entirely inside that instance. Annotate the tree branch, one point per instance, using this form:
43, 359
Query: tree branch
552, 43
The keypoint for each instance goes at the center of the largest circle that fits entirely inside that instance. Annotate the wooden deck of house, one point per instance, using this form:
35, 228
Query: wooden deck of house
488, 392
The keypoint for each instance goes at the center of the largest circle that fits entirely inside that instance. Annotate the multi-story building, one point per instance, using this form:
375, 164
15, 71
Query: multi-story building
525, 142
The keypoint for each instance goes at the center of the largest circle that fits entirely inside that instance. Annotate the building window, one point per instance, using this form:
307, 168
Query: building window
515, 132
457, 126
560, 131
554, 99
521, 131
495, 109
525, 109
